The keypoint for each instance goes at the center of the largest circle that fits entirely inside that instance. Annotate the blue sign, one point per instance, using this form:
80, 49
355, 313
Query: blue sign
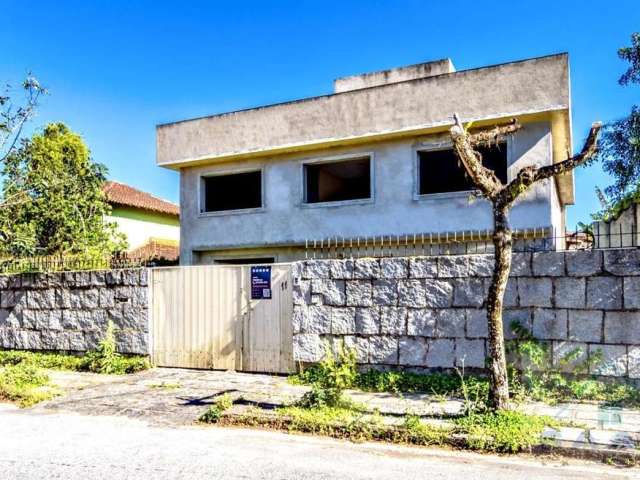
261, 282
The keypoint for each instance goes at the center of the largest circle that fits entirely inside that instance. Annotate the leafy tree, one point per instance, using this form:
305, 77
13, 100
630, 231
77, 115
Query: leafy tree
58, 205
619, 147
502, 198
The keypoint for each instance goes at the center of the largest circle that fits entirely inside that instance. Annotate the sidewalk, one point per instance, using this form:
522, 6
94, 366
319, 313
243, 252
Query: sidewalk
175, 397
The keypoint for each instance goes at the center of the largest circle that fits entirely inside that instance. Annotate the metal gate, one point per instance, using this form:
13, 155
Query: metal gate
203, 317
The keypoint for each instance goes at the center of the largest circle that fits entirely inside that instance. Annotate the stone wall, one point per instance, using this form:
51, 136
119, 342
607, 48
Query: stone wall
428, 312
69, 311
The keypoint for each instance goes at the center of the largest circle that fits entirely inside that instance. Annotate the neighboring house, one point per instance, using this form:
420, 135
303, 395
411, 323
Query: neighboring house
372, 159
151, 225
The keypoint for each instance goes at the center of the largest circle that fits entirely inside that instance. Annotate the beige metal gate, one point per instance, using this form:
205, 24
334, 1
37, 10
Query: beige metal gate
203, 317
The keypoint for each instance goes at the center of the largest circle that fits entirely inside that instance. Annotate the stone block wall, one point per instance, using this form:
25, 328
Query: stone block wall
69, 311
429, 312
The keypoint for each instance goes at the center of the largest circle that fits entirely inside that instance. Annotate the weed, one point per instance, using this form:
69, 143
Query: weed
535, 380
442, 385
214, 412
105, 358
335, 373
504, 431
165, 386
25, 384
120, 364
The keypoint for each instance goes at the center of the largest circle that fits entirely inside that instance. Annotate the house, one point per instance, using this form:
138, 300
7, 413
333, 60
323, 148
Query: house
150, 224
370, 160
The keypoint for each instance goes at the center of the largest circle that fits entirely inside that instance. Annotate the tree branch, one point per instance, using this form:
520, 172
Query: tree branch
493, 135
588, 151
482, 177
527, 176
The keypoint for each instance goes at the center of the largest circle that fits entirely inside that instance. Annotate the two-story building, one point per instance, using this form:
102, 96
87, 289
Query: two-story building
372, 159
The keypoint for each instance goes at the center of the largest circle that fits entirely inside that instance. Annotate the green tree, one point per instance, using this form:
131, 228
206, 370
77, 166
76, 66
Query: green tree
59, 207
619, 146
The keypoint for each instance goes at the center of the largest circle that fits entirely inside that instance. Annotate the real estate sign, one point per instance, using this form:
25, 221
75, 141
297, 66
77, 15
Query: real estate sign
261, 282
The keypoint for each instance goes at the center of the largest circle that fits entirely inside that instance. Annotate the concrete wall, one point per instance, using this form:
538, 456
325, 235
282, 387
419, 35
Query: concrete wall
394, 75
429, 312
621, 232
69, 311
394, 210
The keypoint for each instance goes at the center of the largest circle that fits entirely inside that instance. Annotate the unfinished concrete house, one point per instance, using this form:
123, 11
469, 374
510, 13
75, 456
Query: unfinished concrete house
369, 163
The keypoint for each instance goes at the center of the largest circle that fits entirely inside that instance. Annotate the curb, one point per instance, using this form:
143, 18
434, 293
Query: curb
625, 457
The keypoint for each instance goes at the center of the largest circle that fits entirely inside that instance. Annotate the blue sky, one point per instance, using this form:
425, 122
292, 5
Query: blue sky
115, 69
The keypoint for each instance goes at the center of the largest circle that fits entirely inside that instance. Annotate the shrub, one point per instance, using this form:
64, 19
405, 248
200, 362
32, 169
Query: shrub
25, 383
503, 431
106, 360
536, 380
400, 381
214, 412
335, 373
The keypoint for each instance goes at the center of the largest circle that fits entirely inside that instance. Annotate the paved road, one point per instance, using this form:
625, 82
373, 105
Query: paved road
36, 445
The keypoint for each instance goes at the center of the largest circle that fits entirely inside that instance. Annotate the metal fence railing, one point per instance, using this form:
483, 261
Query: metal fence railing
68, 263
467, 242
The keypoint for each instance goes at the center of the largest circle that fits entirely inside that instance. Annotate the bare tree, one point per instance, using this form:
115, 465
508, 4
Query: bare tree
502, 197
13, 117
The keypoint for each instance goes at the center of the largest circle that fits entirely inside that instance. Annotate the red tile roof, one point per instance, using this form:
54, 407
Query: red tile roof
123, 195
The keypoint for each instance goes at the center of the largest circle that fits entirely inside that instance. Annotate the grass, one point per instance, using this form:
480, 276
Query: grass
501, 432
549, 389
121, 365
504, 431
398, 381
24, 379
25, 384
215, 411
166, 386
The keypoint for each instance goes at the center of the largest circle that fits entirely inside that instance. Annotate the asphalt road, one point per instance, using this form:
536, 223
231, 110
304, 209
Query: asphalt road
70, 446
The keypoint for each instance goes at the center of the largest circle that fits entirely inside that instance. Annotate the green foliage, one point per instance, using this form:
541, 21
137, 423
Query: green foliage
535, 379
502, 431
214, 412
404, 382
165, 385
106, 360
54, 203
87, 363
25, 384
52, 361
336, 372
619, 146
632, 55
212, 415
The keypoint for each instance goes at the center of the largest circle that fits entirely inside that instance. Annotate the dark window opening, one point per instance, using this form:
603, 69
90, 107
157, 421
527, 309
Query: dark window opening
338, 181
232, 192
440, 171
243, 261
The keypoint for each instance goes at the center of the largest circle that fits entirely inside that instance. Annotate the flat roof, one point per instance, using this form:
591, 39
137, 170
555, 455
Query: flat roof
417, 106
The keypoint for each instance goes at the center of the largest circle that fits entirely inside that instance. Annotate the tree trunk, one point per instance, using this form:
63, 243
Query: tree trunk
503, 243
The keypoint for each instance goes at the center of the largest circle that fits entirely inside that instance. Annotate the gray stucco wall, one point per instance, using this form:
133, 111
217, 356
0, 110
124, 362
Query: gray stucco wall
394, 210
429, 312
69, 311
